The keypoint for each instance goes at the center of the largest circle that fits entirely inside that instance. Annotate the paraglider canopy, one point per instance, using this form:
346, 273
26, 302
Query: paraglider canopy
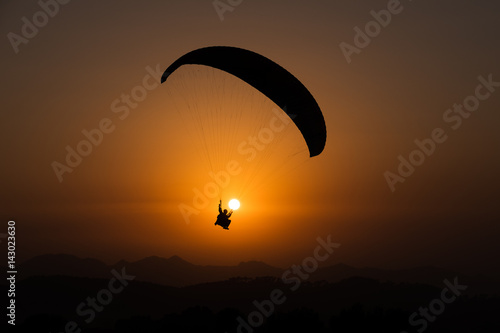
270, 79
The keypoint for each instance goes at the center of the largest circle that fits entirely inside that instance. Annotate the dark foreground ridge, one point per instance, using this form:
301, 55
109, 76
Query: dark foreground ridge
48, 304
64, 293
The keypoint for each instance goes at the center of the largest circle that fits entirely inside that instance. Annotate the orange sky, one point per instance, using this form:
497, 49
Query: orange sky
122, 201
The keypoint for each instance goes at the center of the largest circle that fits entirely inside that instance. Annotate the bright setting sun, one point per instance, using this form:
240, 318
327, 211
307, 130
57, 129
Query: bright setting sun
234, 204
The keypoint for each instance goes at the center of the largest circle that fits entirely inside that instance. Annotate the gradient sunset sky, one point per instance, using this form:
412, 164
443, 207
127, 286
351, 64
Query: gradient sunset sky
122, 201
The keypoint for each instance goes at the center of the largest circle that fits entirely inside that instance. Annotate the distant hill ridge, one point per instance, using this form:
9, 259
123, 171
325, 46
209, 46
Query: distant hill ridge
177, 272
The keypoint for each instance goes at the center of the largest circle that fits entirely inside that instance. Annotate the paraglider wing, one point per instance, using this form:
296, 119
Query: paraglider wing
269, 78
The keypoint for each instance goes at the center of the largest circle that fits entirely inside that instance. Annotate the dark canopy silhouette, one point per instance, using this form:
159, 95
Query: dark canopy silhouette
269, 78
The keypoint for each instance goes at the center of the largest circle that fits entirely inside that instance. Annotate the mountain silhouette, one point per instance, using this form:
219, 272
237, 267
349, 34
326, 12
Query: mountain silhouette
63, 264
173, 271
47, 303
177, 272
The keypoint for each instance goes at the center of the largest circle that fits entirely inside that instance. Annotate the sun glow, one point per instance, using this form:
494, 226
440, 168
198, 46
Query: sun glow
234, 204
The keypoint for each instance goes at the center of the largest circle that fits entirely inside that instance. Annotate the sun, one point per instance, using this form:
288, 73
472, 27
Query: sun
234, 204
